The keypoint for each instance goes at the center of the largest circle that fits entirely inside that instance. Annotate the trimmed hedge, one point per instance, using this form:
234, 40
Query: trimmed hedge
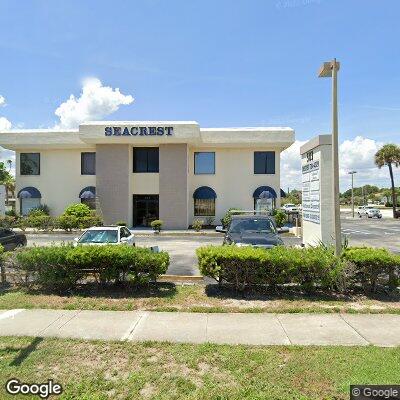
312, 267
60, 268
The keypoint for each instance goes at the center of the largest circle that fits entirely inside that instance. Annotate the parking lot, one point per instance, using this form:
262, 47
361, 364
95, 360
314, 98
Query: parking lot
182, 249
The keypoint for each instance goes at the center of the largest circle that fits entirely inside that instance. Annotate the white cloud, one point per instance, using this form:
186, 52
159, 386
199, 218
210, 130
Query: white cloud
356, 154
5, 124
94, 103
2, 101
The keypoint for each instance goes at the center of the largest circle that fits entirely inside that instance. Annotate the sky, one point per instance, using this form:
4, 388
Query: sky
221, 63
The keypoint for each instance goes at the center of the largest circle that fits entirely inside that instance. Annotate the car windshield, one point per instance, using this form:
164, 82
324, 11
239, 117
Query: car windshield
252, 225
99, 236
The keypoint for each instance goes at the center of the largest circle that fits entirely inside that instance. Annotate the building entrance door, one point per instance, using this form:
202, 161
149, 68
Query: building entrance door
145, 209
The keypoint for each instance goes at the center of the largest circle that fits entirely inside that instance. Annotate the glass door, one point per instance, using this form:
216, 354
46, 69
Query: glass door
145, 209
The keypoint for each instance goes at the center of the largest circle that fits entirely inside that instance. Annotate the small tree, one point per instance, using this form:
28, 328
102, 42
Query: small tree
389, 155
157, 225
280, 218
78, 210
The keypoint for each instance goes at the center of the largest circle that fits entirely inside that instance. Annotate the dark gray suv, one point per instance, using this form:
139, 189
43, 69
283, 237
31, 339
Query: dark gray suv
253, 230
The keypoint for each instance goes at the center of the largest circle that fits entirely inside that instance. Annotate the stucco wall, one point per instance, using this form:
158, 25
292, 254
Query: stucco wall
234, 180
113, 173
174, 185
60, 179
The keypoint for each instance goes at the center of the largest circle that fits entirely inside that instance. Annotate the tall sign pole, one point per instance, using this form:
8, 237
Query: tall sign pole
352, 191
330, 69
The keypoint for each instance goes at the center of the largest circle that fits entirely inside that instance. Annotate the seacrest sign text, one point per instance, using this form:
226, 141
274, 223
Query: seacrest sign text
139, 131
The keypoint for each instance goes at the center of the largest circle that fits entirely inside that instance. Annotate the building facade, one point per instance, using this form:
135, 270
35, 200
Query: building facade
138, 171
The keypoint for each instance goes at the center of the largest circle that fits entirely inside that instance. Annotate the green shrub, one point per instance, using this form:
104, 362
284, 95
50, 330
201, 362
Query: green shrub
42, 222
78, 210
250, 266
280, 218
157, 225
227, 218
21, 223
370, 266
11, 213
42, 209
92, 220
48, 267
197, 225
60, 268
7, 221
67, 222
121, 223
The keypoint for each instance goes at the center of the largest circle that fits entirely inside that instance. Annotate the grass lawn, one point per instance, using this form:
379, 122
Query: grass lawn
196, 298
123, 370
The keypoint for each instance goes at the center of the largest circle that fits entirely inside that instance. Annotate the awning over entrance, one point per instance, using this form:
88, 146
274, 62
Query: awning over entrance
29, 192
264, 192
204, 192
89, 192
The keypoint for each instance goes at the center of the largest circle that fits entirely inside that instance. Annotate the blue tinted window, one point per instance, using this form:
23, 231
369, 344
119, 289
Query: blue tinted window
204, 163
264, 162
145, 159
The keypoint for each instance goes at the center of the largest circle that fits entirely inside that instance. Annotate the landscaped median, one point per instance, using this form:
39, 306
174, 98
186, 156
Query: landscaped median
278, 280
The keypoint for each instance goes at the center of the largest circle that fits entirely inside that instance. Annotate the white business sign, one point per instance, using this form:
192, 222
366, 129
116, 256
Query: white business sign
311, 192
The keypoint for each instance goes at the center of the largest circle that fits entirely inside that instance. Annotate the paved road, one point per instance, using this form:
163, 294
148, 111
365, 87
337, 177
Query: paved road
373, 232
240, 328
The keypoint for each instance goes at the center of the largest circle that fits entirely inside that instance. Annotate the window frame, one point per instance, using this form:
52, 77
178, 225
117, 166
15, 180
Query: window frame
157, 149
265, 169
194, 163
20, 162
83, 153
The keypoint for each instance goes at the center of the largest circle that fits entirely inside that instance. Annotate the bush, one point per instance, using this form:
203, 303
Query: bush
311, 267
78, 210
121, 223
7, 221
42, 209
157, 225
48, 267
21, 223
42, 222
197, 225
370, 266
67, 222
92, 220
280, 218
60, 268
249, 266
227, 218
11, 213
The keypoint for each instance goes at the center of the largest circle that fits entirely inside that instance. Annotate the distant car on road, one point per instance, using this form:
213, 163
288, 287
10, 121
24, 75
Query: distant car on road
369, 212
252, 230
102, 235
11, 240
290, 208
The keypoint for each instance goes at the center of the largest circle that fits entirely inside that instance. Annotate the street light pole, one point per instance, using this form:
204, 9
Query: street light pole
330, 69
352, 191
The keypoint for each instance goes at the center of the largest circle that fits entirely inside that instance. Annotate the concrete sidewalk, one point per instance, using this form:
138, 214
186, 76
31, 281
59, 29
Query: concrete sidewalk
255, 329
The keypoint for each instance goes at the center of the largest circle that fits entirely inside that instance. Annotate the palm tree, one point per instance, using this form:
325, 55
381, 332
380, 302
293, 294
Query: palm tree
389, 155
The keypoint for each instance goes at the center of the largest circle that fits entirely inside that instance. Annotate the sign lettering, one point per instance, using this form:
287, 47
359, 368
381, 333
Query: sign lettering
139, 131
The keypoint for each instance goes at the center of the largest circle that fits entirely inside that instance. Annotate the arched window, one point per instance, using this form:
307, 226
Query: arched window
29, 198
204, 202
88, 196
264, 198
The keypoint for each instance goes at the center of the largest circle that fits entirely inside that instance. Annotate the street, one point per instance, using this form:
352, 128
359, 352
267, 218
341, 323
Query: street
182, 249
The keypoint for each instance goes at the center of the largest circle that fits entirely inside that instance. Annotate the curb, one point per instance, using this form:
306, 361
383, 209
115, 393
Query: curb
180, 278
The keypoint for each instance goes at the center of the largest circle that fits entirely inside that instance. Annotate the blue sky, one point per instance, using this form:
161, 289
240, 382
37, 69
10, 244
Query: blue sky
221, 63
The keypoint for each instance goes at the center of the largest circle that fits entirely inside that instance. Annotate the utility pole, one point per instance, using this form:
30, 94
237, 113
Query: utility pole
330, 69
352, 191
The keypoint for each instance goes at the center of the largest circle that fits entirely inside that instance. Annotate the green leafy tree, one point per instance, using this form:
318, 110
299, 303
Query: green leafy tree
389, 155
